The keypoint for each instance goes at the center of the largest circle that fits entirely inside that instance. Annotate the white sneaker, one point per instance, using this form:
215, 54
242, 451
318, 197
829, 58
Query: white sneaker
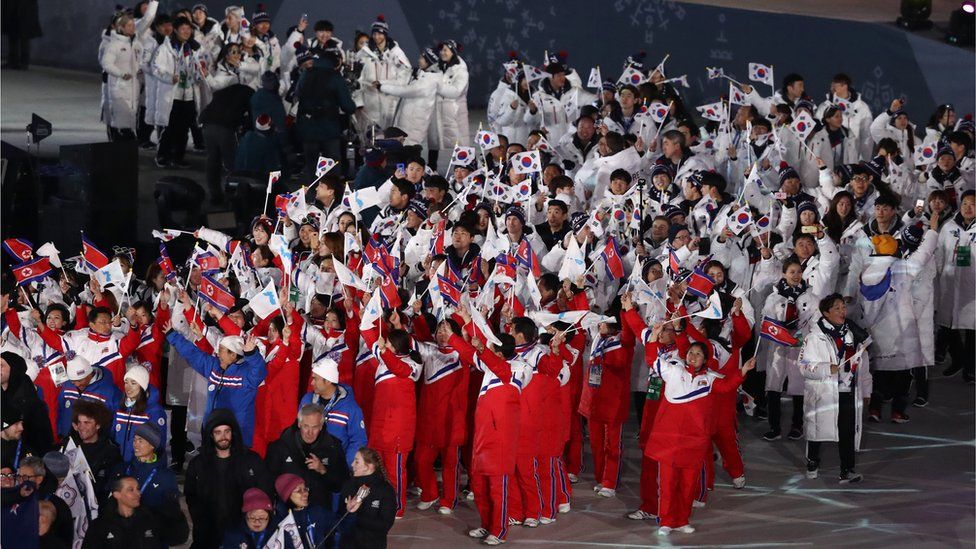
424, 505
445, 510
414, 491
573, 479
640, 515
512, 521
469, 495
598, 487
531, 523
663, 530
686, 529
564, 508
546, 520
739, 482
697, 503
492, 540
607, 492
478, 533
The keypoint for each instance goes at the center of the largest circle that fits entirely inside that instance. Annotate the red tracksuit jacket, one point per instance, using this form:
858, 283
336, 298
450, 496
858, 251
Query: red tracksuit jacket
443, 401
606, 383
541, 417
394, 419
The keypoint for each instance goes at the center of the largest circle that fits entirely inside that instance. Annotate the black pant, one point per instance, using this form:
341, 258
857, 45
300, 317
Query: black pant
893, 385
172, 145
18, 55
432, 158
177, 434
775, 411
121, 134
199, 141
221, 149
845, 433
920, 376
329, 148
143, 130
962, 347
639, 400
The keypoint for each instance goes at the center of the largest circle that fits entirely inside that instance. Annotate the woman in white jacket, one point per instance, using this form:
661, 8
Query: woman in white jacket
956, 308
120, 60
417, 98
179, 81
833, 142
894, 123
508, 110
383, 61
232, 68
452, 93
835, 367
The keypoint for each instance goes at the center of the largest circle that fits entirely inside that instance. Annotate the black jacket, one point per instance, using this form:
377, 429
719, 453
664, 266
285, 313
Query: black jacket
323, 97
288, 454
204, 493
22, 393
63, 527
375, 516
144, 529
230, 108
103, 456
549, 238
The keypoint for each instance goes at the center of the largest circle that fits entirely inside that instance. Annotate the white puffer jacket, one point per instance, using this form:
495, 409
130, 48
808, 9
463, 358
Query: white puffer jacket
120, 59
416, 108
452, 91
390, 65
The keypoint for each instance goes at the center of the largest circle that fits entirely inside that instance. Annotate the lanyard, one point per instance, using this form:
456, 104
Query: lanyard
142, 487
259, 542
20, 443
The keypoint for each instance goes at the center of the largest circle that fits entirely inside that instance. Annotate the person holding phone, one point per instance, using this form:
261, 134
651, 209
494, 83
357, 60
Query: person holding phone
370, 497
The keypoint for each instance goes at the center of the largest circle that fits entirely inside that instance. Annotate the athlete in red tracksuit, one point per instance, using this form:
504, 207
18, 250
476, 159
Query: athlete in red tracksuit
680, 440
149, 353
724, 423
393, 422
277, 397
535, 497
443, 407
571, 463
605, 401
496, 430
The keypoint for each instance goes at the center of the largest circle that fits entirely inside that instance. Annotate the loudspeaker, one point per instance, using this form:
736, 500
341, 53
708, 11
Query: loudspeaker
100, 181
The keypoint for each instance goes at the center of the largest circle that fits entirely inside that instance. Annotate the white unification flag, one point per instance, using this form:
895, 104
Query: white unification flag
78, 492
715, 72
287, 529
595, 80
323, 166
547, 319
574, 264
362, 199
279, 245
803, 125
111, 274
482, 325
494, 243
462, 155
682, 80
265, 302
347, 277
372, 311
761, 73
533, 73
593, 320
351, 244
533, 286
487, 140
648, 294
49, 251
527, 162
272, 179
632, 76
658, 111
165, 235
739, 220
712, 111
713, 310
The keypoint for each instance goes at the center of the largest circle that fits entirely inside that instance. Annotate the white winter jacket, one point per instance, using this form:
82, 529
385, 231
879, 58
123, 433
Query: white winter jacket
417, 98
120, 59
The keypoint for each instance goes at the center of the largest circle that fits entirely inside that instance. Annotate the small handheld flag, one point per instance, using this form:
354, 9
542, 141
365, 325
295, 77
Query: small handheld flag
323, 166
772, 330
32, 271
612, 261
216, 294
595, 80
761, 73
700, 284
20, 249
803, 125
527, 162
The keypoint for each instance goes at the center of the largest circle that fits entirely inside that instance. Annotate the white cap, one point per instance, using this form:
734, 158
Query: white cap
78, 368
233, 343
327, 369
140, 375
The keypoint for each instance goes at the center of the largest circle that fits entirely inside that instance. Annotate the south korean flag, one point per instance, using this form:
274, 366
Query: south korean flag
527, 162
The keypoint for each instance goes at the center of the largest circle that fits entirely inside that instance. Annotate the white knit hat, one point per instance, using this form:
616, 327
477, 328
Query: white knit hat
78, 368
327, 369
140, 375
233, 343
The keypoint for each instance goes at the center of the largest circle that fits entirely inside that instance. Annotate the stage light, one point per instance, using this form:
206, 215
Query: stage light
962, 25
915, 15
38, 129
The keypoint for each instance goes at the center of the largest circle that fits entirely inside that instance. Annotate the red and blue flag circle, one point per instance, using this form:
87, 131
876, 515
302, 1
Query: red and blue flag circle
742, 218
802, 126
635, 78
526, 161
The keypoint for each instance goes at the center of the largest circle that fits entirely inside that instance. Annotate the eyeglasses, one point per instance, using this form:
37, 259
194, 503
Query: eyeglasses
861, 178
302, 490
258, 519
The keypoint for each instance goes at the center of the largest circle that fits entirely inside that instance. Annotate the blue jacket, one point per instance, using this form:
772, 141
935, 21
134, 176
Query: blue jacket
259, 152
234, 388
156, 482
101, 389
126, 421
323, 97
240, 537
344, 420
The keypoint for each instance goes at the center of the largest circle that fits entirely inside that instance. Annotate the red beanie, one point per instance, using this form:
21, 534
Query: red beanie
255, 499
286, 484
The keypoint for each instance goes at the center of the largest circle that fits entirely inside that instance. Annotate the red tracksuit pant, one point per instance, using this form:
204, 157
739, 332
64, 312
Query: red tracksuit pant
426, 479
606, 445
574, 448
649, 486
396, 472
679, 486
525, 501
491, 496
550, 483
565, 491
726, 439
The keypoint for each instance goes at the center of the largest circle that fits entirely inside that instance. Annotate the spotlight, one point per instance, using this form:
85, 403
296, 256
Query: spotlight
38, 129
962, 25
915, 15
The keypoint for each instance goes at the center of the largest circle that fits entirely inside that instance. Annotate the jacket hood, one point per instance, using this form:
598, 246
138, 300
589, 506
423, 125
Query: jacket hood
218, 417
18, 371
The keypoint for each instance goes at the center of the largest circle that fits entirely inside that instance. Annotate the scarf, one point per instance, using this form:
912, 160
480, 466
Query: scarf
839, 335
836, 137
792, 294
664, 196
95, 336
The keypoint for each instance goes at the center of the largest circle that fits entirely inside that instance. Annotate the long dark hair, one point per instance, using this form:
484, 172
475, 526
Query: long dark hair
833, 222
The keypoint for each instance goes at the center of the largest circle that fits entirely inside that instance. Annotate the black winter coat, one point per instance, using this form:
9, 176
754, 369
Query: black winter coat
374, 518
288, 455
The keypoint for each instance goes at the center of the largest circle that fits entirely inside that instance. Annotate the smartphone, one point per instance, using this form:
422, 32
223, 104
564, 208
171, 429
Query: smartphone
809, 229
779, 195
920, 203
705, 247
401, 167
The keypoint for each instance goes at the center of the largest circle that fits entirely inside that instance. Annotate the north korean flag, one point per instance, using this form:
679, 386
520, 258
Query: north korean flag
449, 282
437, 241
32, 271
700, 284
611, 260
216, 294
527, 258
95, 259
165, 263
777, 333
505, 265
20, 249
673, 262
207, 262
389, 294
